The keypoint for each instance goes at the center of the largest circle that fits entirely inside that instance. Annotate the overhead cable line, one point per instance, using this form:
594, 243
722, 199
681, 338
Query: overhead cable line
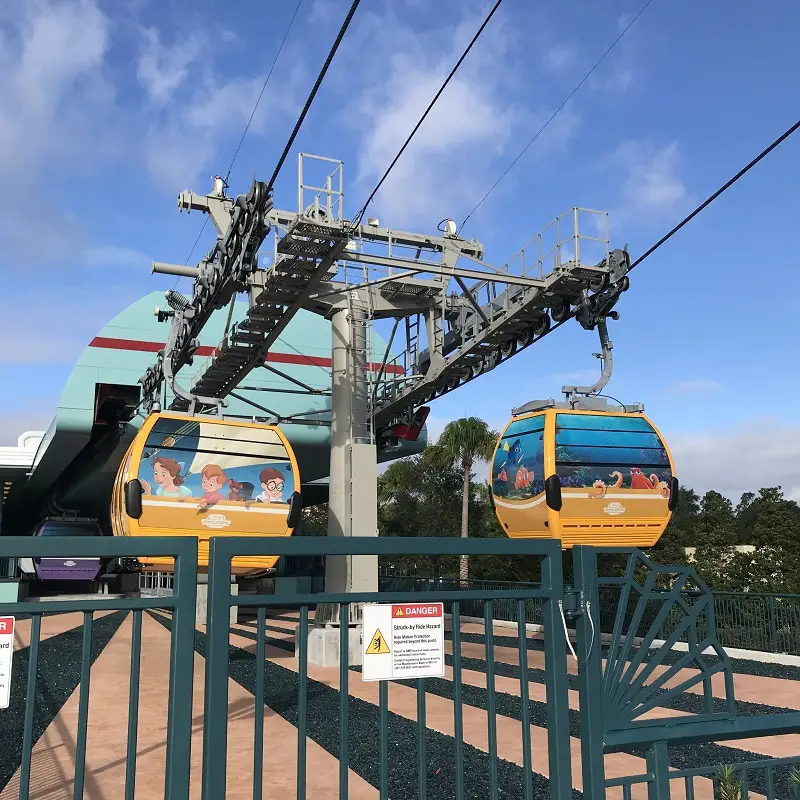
247, 127
785, 135
264, 87
357, 219
312, 95
557, 112
710, 199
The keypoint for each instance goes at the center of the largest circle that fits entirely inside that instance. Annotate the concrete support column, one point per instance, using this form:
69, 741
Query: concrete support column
353, 504
201, 603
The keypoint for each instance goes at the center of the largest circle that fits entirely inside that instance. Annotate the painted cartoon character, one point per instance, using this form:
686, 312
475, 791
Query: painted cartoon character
599, 488
240, 491
167, 474
271, 486
511, 466
640, 481
213, 479
524, 478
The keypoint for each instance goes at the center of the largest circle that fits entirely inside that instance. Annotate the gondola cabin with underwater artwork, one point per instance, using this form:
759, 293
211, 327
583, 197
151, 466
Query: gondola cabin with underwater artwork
207, 476
600, 478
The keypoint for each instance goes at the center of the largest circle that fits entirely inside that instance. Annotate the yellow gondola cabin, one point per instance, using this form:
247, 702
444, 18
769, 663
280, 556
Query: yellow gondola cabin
600, 478
206, 476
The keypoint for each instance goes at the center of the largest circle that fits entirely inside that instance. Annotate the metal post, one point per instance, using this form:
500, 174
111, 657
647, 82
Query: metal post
353, 455
590, 672
353, 470
556, 686
773, 624
658, 769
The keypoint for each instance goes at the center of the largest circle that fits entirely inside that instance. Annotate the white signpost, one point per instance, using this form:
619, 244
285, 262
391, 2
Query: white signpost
6, 658
407, 641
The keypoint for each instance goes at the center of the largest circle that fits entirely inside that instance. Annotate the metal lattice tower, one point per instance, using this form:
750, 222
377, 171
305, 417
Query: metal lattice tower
459, 320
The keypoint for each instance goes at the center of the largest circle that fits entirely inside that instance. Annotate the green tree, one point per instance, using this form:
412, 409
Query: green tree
715, 534
774, 530
463, 442
419, 498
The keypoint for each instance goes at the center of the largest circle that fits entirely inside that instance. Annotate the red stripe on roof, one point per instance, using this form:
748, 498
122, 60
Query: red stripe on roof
140, 346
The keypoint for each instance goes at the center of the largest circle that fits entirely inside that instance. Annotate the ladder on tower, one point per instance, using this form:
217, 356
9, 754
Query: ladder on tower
307, 255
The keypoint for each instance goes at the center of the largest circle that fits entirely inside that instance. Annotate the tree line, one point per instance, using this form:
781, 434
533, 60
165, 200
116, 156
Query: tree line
437, 494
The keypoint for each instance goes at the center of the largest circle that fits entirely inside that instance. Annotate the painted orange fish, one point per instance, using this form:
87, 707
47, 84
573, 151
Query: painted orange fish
524, 478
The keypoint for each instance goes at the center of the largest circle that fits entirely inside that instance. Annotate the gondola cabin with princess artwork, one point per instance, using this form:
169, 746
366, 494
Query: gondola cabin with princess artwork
207, 476
592, 477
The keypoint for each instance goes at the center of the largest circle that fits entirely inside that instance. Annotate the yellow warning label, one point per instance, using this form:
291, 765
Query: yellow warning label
399, 612
377, 645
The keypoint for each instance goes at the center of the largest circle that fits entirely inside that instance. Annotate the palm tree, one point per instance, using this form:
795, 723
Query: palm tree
462, 443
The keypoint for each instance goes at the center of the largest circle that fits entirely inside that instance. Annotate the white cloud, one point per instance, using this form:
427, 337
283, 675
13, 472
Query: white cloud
161, 70
617, 78
109, 256
55, 329
184, 137
652, 187
742, 458
453, 156
694, 386
54, 106
560, 57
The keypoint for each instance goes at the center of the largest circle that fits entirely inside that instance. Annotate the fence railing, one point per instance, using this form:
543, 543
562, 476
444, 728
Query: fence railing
748, 621
33, 691
773, 779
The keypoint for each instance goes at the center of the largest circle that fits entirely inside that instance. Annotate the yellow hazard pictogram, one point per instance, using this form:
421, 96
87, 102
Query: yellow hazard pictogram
399, 612
377, 645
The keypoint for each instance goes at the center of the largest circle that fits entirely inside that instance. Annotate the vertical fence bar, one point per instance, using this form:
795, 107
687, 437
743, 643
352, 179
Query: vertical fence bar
181, 670
344, 699
133, 706
383, 738
773, 624
770, 783
215, 722
302, 704
422, 729
83, 707
30, 707
527, 765
458, 710
590, 672
258, 731
491, 705
555, 666
658, 767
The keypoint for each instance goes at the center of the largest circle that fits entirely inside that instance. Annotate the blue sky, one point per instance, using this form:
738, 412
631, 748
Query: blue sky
108, 110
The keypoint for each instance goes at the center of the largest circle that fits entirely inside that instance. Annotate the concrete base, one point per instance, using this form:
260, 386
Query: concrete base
201, 606
323, 645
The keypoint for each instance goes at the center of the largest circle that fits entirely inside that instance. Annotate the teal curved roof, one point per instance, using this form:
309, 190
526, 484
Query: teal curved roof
128, 344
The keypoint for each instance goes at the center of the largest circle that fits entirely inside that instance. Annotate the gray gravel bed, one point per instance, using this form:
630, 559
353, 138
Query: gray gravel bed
281, 693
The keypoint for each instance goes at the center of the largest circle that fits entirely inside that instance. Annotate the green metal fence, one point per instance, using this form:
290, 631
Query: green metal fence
549, 593
621, 678
630, 678
770, 774
182, 606
744, 620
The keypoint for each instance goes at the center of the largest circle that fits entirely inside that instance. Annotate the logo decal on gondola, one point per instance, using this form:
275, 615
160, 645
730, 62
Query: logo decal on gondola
216, 521
615, 509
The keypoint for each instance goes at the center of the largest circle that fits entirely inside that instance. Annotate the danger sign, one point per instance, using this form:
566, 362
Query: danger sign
6, 659
408, 641
417, 610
